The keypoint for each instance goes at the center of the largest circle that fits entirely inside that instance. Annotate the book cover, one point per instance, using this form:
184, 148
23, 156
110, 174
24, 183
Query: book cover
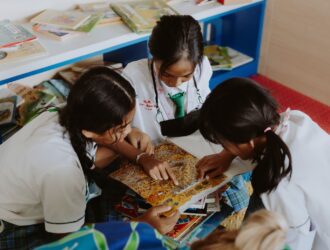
64, 19
197, 211
54, 32
109, 16
33, 105
12, 34
90, 23
183, 225
7, 110
141, 16
164, 192
23, 51
225, 58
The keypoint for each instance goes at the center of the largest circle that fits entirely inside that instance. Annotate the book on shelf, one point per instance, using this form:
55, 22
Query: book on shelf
13, 34
141, 16
228, 2
90, 23
54, 32
23, 51
225, 58
7, 110
109, 16
63, 19
33, 105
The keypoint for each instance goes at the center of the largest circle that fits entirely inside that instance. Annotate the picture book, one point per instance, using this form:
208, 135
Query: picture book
165, 192
12, 34
183, 225
109, 16
141, 16
90, 23
33, 104
23, 51
7, 110
63, 19
225, 58
228, 2
54, 32
197, 211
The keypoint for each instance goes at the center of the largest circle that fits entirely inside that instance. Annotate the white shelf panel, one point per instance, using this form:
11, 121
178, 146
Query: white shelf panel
96, 42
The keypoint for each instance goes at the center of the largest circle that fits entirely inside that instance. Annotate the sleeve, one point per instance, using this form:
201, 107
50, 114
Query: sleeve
63, 199
289, 201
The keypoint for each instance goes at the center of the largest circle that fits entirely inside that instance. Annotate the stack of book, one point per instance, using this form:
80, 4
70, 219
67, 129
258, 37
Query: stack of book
225, 58
141, 16
61, 25
17, 43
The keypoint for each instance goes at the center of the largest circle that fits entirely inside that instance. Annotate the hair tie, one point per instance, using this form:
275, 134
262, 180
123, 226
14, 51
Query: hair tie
267, 129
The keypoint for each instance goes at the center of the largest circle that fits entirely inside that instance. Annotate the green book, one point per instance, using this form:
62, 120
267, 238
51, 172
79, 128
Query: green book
141, 16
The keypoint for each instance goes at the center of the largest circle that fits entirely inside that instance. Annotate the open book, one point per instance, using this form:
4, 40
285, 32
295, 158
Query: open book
180, 157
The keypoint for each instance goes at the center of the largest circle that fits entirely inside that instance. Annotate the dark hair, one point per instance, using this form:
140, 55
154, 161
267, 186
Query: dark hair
239, 110
175, 37
98, 101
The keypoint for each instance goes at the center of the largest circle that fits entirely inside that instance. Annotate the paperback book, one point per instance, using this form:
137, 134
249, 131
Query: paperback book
63, 19
12, 34
225, 58
141, 16
7, 110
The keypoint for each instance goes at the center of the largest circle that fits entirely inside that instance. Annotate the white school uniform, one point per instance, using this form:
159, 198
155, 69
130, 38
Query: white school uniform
41, 179
139, 74
304, 199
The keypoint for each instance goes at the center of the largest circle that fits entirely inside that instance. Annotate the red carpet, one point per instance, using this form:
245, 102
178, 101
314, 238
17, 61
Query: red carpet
289, 98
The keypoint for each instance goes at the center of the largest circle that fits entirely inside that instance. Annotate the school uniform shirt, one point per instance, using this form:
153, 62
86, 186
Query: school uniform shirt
41, 179
304, 199
139, 74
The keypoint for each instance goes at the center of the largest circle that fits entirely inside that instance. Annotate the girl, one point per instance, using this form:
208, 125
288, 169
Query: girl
175, 81
262, 231
290, 153
172, 84
45, 168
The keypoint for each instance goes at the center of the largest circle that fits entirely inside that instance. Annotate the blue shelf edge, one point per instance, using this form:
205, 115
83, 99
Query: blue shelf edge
245, 70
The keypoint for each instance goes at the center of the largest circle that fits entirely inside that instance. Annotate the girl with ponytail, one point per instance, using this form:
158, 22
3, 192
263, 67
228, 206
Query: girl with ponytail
289, 152
47, 166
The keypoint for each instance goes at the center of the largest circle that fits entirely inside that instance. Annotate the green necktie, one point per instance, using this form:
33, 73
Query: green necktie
178, 100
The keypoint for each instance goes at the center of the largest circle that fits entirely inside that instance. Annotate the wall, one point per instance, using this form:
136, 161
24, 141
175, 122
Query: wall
296, 46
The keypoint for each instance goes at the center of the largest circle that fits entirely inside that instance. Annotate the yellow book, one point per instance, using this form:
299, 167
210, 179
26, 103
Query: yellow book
64, 19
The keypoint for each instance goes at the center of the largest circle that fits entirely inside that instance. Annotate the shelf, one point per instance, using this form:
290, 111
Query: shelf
101, 40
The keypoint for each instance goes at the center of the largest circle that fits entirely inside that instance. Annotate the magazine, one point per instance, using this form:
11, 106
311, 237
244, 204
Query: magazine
12, 34
225, 58
164, 192
141, 16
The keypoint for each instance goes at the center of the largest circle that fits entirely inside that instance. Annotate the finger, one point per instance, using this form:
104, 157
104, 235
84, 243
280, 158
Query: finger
204, 169
163, 173
173, 218
150, 149
157, 173
215, 173
152, 175
172, 175
133, 141
161, 209
200, 163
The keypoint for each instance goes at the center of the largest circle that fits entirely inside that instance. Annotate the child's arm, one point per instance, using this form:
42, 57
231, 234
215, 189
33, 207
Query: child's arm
214, 165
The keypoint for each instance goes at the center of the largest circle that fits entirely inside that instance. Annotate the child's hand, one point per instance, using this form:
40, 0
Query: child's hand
155, 219
140, 140
157, 170
213, 165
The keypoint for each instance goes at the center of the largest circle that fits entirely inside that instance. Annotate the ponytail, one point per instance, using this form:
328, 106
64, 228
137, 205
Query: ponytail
271, 168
